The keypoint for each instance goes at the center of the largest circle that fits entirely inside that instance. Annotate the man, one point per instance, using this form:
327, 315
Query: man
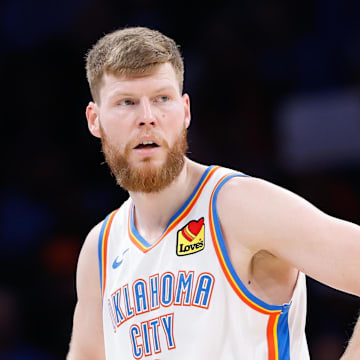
200, 262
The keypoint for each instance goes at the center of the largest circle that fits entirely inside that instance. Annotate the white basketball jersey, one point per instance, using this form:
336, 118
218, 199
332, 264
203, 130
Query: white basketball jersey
181, 298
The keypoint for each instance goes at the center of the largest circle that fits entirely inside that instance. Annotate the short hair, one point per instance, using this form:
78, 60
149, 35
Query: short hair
132, 51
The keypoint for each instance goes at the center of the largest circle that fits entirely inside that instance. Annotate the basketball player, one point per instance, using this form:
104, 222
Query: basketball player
201, 262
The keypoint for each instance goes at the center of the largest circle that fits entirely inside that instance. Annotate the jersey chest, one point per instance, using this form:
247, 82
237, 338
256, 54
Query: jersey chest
180, 270
181, 296
152, 293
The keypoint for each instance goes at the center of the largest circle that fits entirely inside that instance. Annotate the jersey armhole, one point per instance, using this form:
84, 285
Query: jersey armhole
277, 331
102, 249
224, 258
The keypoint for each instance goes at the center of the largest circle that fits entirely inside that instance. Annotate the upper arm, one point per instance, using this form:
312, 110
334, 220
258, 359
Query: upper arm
87, 337
267, 217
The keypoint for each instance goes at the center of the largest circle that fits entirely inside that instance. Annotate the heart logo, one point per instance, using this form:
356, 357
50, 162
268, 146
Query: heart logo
191, 238
192, 229
195, 226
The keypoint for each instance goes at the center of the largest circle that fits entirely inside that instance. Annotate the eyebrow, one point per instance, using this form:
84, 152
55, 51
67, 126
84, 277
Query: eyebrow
128, 94
120, 93
165, 88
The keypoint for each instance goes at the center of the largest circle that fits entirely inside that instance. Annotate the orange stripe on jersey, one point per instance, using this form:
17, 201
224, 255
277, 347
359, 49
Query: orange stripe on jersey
191, 203
181, 214
273, 311
271, 333
104, 243
223, 264
133, 238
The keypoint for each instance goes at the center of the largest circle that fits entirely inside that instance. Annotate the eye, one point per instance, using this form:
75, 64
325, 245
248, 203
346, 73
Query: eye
126, 102
162, 98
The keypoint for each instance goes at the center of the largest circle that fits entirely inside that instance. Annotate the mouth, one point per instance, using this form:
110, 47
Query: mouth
146, 145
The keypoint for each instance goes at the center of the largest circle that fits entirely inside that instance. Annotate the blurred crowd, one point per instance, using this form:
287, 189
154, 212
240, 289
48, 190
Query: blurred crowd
275, 93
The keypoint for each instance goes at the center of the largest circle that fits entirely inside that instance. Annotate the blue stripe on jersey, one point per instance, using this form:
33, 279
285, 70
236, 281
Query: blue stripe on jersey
183, 207
100, 245
226, 257
134, 231
283, 336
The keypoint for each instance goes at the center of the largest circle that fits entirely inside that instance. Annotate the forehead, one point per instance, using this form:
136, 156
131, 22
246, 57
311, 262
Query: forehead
162, 76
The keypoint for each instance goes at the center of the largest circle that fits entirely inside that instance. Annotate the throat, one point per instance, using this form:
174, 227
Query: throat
151, 234
151, 215
153, 211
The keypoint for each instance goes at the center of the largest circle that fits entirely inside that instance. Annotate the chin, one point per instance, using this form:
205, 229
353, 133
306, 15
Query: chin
148, 163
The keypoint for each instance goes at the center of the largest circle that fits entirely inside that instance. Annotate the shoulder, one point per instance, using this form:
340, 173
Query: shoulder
87, 275
248, 207
90, 246
244, 192
87, 338
252, 193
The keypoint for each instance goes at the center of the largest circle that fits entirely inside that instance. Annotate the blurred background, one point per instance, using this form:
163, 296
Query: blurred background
275, 93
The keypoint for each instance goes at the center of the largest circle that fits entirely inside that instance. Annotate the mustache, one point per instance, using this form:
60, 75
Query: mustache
157, 139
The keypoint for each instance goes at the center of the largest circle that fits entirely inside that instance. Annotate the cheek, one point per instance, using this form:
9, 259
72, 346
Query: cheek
174, 117
115, 127
116, 136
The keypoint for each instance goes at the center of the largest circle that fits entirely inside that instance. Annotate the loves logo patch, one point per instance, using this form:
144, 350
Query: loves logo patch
191, 238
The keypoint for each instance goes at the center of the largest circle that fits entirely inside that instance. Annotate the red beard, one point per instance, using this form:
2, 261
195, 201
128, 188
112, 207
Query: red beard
146, 178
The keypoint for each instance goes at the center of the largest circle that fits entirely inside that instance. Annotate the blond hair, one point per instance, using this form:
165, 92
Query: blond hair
132, 51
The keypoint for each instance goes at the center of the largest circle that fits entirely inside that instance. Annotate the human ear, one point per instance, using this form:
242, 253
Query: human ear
93, 119
186, 101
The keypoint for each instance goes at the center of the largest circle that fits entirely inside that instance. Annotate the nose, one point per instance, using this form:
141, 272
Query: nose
147, 114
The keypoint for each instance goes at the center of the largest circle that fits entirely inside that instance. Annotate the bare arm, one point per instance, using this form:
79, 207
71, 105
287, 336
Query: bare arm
87, 341
268, 217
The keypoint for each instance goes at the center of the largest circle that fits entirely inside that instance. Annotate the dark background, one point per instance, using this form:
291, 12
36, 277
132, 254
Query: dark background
275, 93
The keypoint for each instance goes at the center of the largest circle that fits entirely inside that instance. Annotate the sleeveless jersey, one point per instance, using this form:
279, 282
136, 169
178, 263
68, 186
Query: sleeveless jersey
181, 298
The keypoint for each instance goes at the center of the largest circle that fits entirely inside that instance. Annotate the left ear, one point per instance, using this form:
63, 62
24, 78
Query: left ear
186, 101
92, 116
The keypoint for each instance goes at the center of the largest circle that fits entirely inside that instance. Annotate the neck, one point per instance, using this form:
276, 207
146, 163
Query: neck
153, 211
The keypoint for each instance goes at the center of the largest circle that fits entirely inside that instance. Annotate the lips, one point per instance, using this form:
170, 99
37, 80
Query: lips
147, 144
